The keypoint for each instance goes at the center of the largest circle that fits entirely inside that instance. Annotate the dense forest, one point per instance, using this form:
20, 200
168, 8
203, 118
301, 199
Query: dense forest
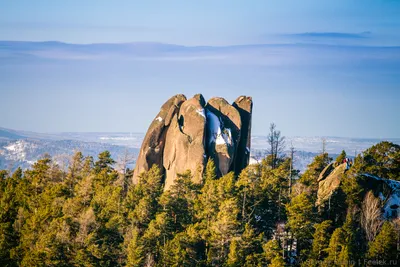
92, 215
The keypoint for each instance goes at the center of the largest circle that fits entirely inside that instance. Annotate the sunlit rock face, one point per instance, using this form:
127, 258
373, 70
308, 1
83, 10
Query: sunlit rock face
153, 144
184, 148
186, 133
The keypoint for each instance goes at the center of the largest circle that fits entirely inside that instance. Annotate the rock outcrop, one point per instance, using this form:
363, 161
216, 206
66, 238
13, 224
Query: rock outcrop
152, 148
184, 148
387, 190
329, 181
245, 107
186, 133
223, 133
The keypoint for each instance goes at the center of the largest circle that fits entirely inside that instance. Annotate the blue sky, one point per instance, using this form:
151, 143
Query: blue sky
324, 67
206, 22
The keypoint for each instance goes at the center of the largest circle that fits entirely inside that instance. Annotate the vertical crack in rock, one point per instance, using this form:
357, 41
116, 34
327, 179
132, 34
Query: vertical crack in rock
223, 128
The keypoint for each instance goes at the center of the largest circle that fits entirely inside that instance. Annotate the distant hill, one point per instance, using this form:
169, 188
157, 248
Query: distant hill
9, 134
22, 148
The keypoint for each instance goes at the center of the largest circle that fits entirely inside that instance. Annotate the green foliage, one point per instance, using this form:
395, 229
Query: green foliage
104, 162
273, 254
85, 216
301, 217
300, 214
384, 246
341, 157
321, 240
382, 160
310, 176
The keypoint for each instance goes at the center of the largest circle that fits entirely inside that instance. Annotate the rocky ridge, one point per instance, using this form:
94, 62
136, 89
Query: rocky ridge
387, 190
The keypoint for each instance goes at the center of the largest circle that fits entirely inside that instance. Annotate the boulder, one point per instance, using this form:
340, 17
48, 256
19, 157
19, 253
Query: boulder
184, 147
151, 151
330, 183
244, 104
223, 133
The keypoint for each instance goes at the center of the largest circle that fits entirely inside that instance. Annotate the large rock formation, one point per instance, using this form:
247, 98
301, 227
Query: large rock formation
152, 148
186, 133
184, 148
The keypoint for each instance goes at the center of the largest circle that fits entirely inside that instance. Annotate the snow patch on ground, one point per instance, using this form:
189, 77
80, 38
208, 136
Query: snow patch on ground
391, 206
17, 151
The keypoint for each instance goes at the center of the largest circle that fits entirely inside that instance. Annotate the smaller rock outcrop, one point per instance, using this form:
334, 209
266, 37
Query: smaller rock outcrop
387, 190
329, 181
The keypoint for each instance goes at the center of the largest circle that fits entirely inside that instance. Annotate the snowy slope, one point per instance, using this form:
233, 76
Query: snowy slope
391, 201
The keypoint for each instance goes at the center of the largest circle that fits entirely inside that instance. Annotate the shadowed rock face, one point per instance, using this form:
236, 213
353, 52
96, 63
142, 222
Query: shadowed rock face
152, 148
223, 133
187, 132
244, 104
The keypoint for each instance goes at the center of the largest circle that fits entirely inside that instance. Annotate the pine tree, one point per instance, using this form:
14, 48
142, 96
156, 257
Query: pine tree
246, 248
385, 244
336, 244
382, 159
273, 253
180, 200
321, 240
104, 163
223, 230
9, 206
141, 201
301, 216
339, 160
211, 171
134, 251
185, 249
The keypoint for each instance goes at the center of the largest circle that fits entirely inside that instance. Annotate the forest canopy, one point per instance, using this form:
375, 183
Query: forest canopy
92, 215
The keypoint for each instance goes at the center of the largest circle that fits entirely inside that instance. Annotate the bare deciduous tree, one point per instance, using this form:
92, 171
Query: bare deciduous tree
122, 165
276, 145
371, 220
323, 145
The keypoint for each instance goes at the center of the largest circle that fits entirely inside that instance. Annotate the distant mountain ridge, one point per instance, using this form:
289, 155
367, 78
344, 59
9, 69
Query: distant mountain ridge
33, 145
22, 149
